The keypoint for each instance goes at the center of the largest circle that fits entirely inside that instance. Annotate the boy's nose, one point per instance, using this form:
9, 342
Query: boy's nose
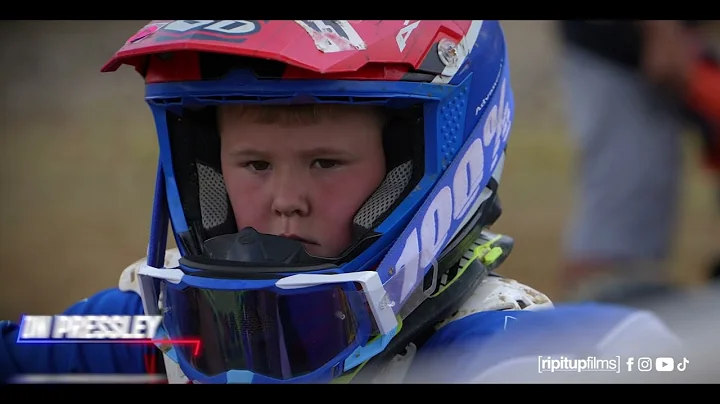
290, 195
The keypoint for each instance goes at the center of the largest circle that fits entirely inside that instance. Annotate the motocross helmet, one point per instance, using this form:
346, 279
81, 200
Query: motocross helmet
264, 310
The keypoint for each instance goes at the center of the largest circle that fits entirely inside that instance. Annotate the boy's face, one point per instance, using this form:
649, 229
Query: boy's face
303, 178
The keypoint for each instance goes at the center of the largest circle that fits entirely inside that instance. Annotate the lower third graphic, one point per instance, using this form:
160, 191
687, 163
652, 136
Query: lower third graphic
97, 329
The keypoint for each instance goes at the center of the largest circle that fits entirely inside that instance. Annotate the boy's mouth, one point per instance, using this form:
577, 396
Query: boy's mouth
298, 238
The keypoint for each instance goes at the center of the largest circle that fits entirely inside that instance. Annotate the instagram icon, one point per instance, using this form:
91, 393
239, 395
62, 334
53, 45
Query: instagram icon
645, 364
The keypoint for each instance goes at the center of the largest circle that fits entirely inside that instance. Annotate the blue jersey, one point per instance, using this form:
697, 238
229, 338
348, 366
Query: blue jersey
458, 352
491, 346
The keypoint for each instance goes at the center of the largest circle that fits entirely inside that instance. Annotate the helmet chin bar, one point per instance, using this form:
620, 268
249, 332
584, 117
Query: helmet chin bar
250, 247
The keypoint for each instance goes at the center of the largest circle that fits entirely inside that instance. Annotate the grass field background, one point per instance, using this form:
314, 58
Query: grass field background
78, 158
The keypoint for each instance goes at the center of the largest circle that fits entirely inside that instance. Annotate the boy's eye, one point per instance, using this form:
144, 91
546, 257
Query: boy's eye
258, 165
325, 163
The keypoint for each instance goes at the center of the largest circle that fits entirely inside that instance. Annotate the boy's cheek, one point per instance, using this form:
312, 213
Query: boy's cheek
337, 238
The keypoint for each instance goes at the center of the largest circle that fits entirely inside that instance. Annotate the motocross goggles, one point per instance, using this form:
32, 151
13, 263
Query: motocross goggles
258, 325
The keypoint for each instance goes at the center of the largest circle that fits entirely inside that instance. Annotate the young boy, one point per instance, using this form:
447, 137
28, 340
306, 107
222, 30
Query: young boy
301, 171
330, 185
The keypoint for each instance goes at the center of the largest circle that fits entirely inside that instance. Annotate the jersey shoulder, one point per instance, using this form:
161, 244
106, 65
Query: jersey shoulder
482, 344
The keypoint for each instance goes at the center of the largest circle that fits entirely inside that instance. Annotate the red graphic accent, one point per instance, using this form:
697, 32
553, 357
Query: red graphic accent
150, 361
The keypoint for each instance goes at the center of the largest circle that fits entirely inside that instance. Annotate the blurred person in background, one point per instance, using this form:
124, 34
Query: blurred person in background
627, 91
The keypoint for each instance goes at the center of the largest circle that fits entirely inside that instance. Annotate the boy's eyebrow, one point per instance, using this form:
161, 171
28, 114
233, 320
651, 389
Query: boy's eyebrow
315, 151
325, 150
246, 152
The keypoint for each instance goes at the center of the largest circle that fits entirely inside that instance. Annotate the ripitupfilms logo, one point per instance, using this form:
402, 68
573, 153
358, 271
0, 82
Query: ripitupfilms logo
550, 364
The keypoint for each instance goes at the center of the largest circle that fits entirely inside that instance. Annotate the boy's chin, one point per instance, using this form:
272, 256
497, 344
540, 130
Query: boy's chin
322, 251
317, 250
